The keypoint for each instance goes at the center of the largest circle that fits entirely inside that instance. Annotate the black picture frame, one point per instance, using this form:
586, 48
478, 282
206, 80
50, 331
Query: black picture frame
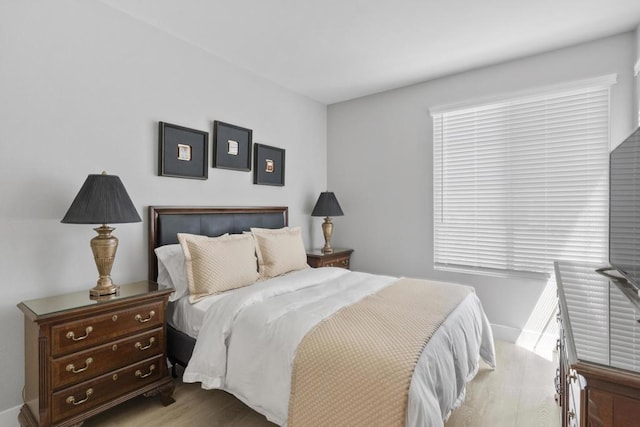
236, 156
183, 152
268, 165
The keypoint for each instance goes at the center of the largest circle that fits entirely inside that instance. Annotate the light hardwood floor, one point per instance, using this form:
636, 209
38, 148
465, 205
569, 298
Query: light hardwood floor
519, 393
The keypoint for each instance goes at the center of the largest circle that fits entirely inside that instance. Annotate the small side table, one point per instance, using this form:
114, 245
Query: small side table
338, 258
84, 356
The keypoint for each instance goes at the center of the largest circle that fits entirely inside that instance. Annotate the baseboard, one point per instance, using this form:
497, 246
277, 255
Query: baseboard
9, 417
543, 344
505, 333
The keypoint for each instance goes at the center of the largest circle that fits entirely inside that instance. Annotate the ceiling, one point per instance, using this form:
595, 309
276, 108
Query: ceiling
335, 50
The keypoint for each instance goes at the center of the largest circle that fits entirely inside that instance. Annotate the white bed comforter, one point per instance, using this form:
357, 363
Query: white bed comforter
248, 341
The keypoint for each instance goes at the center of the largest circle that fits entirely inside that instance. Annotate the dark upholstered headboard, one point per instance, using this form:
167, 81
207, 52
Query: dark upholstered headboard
165, 222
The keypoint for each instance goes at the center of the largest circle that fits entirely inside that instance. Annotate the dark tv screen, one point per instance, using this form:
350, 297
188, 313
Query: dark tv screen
624, 208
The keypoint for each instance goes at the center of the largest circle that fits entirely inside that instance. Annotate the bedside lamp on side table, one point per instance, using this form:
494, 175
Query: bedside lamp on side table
102, 200
327, 206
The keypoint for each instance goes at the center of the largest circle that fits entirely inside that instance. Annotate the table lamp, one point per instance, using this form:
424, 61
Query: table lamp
327, 206
102, 200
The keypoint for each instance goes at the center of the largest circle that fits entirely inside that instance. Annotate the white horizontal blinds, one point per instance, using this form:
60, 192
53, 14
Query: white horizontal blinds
587, 296
522, 182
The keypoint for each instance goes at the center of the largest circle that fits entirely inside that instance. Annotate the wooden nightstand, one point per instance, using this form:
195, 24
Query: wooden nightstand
84, 356
338, 258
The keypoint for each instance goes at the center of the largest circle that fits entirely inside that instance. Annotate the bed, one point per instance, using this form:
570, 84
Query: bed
245, 341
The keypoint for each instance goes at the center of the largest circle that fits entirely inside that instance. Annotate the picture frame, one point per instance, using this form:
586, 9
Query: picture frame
268, 165
183, 152
231, 146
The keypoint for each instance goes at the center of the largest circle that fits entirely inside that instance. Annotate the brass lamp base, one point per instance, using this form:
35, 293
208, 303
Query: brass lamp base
327, 231
104, 247
98, 292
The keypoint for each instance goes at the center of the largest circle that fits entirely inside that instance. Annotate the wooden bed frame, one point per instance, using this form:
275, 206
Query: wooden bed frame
166, 221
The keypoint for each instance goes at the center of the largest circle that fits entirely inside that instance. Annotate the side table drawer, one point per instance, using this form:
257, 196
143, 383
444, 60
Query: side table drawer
90, 363
83, 397
85, 333
338, 258
341, 262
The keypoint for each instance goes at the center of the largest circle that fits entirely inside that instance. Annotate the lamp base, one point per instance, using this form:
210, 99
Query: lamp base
327, 231
102, 291
104, 247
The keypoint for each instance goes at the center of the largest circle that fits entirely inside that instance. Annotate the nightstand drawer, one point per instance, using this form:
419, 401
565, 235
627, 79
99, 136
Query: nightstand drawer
85, 333
343, 262
338, 258
90, 363
83, 397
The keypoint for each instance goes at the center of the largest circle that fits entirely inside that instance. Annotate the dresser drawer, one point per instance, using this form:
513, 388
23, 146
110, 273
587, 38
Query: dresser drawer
85, 333
90, 363
573, 414
85, 396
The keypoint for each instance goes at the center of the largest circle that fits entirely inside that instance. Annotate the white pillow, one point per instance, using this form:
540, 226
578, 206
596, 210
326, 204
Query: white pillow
171, 271
164, 280
279, 251
216, 265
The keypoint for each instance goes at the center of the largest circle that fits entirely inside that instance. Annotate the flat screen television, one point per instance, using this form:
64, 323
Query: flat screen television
624, 209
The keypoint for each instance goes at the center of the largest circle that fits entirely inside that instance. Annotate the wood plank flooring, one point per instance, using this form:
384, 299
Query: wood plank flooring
519, 393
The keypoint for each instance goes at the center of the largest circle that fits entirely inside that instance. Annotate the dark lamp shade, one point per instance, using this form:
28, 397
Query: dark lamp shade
327, 205
102, 200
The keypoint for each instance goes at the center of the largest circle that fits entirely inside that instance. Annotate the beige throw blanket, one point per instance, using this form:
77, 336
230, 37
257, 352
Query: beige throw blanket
355, 367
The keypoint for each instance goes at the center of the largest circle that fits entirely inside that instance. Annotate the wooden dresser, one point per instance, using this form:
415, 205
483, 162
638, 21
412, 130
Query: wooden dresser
84, 356
338, 258
598, 380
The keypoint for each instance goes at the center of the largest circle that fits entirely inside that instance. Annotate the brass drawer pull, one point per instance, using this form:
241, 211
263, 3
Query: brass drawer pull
87, 331
72, 368
71, 400
141, 320
140, 375
557, 382
146, 347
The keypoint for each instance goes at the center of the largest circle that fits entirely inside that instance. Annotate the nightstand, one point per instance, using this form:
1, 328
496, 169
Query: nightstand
338, 258
84, 356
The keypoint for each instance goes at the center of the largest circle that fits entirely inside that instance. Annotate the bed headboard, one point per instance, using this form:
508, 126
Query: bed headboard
165, 222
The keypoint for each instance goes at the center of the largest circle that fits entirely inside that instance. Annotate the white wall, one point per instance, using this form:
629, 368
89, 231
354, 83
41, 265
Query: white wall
637, 73
380, 164
82, 88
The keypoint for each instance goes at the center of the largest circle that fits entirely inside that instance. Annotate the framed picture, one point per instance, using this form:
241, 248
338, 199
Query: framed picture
231, 146
268, 165
183, 152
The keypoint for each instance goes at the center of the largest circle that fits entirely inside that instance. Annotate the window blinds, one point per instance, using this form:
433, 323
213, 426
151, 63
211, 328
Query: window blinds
521, 182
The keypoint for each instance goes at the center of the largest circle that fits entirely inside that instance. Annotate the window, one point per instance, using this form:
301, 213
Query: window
521, 182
